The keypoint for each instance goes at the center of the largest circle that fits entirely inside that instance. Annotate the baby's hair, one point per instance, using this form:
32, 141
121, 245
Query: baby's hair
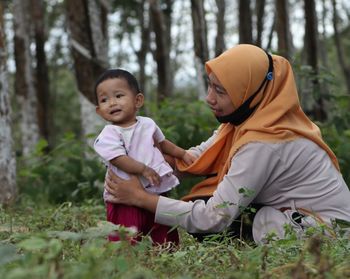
118, 73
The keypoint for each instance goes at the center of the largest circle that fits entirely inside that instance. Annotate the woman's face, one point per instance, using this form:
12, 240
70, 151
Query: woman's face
217, 98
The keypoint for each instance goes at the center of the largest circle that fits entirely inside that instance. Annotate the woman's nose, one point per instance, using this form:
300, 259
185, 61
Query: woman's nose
210, 98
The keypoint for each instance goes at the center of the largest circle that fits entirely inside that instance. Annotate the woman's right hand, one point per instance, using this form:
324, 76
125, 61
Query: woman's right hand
130, 192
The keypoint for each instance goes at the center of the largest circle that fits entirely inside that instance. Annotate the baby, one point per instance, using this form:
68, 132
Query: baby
134, 144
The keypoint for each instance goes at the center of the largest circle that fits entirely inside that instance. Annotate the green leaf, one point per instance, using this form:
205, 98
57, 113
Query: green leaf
7, 253
33, 244
65, 235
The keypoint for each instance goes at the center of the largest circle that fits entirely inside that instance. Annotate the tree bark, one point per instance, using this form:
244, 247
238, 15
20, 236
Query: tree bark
285, 43
89, 63
200, 44
144, 19
88, 35
24, 78
260, 15
8, 188
42, 71
162, 51
245, 22
340, 53
220, 23
311, 47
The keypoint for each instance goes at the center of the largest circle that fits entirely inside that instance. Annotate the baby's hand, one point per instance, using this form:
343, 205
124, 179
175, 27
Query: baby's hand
151, 175
188, 158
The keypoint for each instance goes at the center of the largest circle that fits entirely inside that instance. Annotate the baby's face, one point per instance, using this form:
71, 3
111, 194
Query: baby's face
117, 103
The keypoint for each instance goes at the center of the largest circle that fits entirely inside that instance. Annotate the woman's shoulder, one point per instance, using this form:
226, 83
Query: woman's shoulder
281, 148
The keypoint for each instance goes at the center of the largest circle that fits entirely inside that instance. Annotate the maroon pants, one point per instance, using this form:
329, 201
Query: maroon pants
142, 220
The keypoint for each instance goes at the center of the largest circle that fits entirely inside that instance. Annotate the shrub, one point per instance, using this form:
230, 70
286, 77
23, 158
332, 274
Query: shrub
70, 172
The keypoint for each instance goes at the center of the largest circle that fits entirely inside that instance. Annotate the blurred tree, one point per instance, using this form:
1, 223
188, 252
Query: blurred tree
42, 72
201, 53
285, 42
24, 77
88, 42
221, 27
260, 16
245, 22
339, 47
144, 21
311, 44
7, 157
161, 25
88, 36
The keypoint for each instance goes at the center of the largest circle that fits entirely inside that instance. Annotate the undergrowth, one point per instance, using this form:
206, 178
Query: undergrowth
69, 241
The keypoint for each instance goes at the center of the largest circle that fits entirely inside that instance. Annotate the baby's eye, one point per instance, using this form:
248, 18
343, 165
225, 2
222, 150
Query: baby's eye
103, 100
119, 95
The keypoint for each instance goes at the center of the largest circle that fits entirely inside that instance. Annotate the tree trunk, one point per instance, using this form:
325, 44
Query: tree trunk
42, 72
162, 51
220, 23
88, 63
311, 47
285, 44
260, 15
245, 22
24, 79
200, 44
340, 53
144, 18
323, 49
7, 157
272, 30
88, 35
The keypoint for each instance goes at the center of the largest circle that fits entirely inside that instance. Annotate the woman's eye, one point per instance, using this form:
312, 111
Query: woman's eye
220, 90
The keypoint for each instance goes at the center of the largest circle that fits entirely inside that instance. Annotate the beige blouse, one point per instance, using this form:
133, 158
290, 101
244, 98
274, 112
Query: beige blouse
295, 174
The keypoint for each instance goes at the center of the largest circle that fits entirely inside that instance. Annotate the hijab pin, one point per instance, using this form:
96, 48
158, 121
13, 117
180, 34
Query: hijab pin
269, 76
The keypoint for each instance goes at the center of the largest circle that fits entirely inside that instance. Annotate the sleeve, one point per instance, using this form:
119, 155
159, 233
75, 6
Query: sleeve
250, 170
199, 149
109, 144
158, 134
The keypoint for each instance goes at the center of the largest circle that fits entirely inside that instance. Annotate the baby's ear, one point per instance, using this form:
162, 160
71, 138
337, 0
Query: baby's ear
139, 100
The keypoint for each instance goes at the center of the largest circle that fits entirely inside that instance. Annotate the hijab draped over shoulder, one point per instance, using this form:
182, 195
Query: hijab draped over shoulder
277, 118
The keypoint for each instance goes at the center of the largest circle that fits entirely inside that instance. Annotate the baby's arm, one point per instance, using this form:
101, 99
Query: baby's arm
170, 148
129, 165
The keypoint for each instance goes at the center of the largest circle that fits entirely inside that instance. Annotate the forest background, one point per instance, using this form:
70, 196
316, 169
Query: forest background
51, 52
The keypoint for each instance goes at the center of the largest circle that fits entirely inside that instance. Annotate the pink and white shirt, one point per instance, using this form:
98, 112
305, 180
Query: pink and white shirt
138, 142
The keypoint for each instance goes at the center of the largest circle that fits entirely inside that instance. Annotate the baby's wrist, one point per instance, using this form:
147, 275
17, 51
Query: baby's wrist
144, 166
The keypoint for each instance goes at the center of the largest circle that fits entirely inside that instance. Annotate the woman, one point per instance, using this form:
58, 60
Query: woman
266, 151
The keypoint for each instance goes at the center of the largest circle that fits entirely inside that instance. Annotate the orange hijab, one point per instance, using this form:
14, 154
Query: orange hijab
278, 117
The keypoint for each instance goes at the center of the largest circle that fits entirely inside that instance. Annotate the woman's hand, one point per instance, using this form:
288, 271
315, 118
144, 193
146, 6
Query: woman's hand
130, 192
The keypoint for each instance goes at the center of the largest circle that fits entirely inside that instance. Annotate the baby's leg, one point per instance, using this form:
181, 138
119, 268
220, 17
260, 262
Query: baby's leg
161, 234
127, 216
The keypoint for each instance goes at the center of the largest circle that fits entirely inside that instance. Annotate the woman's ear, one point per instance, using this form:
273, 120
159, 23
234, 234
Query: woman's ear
139, 100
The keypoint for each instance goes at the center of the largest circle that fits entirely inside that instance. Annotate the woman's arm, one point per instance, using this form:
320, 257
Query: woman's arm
250, 169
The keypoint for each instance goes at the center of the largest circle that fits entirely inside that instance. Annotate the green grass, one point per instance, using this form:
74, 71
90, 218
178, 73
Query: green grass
69, 241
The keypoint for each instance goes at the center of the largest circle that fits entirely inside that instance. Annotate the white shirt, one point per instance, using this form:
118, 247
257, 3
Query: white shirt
296, 174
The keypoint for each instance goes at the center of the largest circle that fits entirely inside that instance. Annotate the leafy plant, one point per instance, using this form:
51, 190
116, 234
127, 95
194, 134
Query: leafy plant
70, 172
